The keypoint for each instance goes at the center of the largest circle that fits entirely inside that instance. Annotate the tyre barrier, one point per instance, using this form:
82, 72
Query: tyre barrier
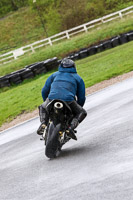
15, 78
107, 44
123, 39
42, 67
83, 54
102, 46
130, 36
99, 48
28, 72
37, 68
92, 50
4, 82
51, 63
74, 56
115, 41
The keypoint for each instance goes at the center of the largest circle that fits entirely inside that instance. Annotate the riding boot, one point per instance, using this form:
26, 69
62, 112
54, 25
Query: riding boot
71, 131
41, 129
44, 120
75, 122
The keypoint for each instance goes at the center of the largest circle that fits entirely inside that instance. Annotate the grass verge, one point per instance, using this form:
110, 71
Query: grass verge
94, 69
65, 47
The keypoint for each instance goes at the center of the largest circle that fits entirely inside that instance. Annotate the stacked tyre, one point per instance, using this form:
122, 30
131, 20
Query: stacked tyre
115, 41
51, 63
99, 48
26, 74
83, 53
130, 36
74, 56
4, 82
37, 68
15, 78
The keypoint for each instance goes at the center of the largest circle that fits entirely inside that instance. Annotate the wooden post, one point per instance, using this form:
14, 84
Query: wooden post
68, 37
50, 42
32, 49
85, 28
120, 15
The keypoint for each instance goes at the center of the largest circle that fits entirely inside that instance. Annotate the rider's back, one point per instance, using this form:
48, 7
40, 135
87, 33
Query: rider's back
64, 85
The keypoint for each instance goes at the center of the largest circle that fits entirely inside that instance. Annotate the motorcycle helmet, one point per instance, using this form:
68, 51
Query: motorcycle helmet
67, 63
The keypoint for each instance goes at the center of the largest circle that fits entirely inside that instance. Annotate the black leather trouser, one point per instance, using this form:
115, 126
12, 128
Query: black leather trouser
43, 112
78, 112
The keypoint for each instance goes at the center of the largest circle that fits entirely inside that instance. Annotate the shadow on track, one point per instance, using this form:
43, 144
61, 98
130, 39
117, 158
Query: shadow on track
78, 151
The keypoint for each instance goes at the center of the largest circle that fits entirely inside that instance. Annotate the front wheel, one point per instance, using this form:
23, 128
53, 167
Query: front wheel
52, 142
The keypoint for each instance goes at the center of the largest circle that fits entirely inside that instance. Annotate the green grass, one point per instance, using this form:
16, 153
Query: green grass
27, 96
20, 28
24, 26
61, 49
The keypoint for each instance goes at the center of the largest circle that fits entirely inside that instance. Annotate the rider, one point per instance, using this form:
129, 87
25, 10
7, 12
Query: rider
66, 85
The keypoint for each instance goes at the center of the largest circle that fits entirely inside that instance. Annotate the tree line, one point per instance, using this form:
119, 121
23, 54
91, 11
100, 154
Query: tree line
63, 6
43, 18
60, 15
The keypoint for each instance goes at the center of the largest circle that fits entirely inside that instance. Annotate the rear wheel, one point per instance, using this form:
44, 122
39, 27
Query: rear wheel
52, 142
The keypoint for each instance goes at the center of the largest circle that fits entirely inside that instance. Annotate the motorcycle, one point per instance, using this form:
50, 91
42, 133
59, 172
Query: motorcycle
56, 133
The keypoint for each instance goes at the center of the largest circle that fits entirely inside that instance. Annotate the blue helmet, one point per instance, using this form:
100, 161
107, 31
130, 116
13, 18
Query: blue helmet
67, 63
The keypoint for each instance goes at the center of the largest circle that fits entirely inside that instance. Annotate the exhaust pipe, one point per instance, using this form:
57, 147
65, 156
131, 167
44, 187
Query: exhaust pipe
58, 106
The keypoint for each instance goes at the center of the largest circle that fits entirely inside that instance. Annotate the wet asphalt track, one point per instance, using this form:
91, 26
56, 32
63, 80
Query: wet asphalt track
99, 166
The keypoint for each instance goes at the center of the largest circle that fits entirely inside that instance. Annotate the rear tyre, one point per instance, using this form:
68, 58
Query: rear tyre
52, 143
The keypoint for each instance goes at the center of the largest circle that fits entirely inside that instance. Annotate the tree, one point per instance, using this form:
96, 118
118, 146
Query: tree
7, 6
73, 13
95, 9
14, 5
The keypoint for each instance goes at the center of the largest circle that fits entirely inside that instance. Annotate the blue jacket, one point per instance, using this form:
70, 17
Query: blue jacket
65, 85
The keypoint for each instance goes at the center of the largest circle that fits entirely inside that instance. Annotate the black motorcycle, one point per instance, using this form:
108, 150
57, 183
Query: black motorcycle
56, 133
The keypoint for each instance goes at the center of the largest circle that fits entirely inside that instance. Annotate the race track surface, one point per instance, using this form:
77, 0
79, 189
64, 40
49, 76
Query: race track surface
99, 166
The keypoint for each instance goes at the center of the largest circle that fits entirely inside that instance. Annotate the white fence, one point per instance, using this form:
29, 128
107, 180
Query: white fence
8, 57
